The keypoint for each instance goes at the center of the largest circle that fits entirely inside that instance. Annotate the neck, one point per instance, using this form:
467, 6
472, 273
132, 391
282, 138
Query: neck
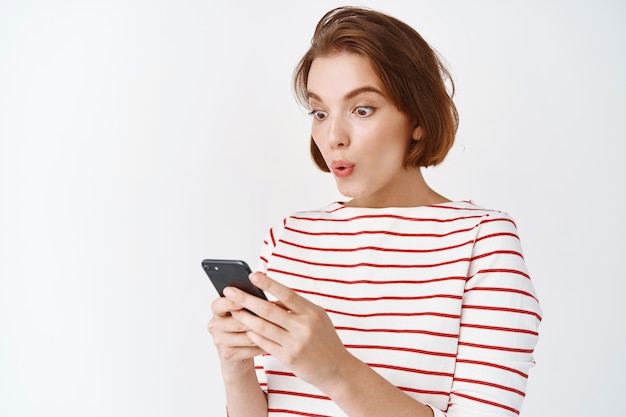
411, 191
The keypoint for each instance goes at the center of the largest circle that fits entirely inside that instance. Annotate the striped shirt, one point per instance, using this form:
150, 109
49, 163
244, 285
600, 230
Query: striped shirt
436, 299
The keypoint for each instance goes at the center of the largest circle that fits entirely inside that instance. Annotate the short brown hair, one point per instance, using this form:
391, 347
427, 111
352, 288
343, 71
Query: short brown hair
411, 71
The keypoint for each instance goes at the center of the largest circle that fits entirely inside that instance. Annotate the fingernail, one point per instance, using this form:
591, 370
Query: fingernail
254, 277
228, 291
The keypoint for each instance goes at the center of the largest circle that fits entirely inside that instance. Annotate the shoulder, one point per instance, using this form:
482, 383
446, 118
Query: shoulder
453, 211
493, 219
454, 215
327, 212
490, 229
495, 235
479, 215
470, 207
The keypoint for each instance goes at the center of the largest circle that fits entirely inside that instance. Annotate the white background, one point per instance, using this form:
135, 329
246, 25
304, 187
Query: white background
139, 137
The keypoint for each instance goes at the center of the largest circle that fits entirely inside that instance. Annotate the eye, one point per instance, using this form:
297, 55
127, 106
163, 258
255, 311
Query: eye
318, 114
363, 111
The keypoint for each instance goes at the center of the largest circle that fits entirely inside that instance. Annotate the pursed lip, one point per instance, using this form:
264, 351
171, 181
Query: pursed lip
341, 168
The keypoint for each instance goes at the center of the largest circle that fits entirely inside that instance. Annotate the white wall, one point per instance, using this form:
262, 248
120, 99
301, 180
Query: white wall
138, 137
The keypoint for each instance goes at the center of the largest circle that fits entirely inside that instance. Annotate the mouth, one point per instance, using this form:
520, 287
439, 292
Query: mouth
341, 168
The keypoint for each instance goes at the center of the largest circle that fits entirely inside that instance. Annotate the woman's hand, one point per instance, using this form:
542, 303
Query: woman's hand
301, 336
295, 331
235, 349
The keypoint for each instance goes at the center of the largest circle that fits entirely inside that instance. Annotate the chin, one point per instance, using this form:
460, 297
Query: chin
352, 190
348, 193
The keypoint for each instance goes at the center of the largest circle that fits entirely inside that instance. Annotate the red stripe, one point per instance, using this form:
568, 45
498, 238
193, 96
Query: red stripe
296, 413
378, 232
438, 206
403, 349
498, 289
510, 234
423, 391
272, 237
504, 270
499, 219
412, 370
480, 400
280, 373
298, 394
493, 365
500, 348
376, 248
501, 329
386, 216
403, 331
504, 310
497, 252
491, 384
410, 298
371, 265
379, 365
367, 281
397, 314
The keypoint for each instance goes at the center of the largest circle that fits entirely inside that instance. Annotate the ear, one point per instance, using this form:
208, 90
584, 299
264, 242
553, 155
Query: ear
418, 132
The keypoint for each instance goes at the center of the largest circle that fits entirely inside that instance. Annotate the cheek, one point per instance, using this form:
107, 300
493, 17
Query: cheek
317, 142
320, 138
316, 136
389, 153
319, 154
385, 144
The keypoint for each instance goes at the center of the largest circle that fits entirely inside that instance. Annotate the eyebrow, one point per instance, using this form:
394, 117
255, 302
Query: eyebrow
351, 94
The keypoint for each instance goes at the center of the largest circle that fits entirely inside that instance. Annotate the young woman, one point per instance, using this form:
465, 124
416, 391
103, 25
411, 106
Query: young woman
396, 302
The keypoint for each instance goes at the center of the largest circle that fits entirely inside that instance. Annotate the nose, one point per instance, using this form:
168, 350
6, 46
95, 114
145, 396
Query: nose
338, 133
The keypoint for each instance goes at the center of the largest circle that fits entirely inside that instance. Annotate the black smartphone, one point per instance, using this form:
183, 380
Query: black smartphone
230, 273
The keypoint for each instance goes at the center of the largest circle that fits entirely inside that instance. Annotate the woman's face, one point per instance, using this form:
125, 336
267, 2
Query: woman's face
361, 134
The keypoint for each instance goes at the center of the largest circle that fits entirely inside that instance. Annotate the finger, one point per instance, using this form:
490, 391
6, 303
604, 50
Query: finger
240, 353
287, 298
269, 330
265, 344
281, 305
223, 306
223, 337
226, 325
235, 340
264, 309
